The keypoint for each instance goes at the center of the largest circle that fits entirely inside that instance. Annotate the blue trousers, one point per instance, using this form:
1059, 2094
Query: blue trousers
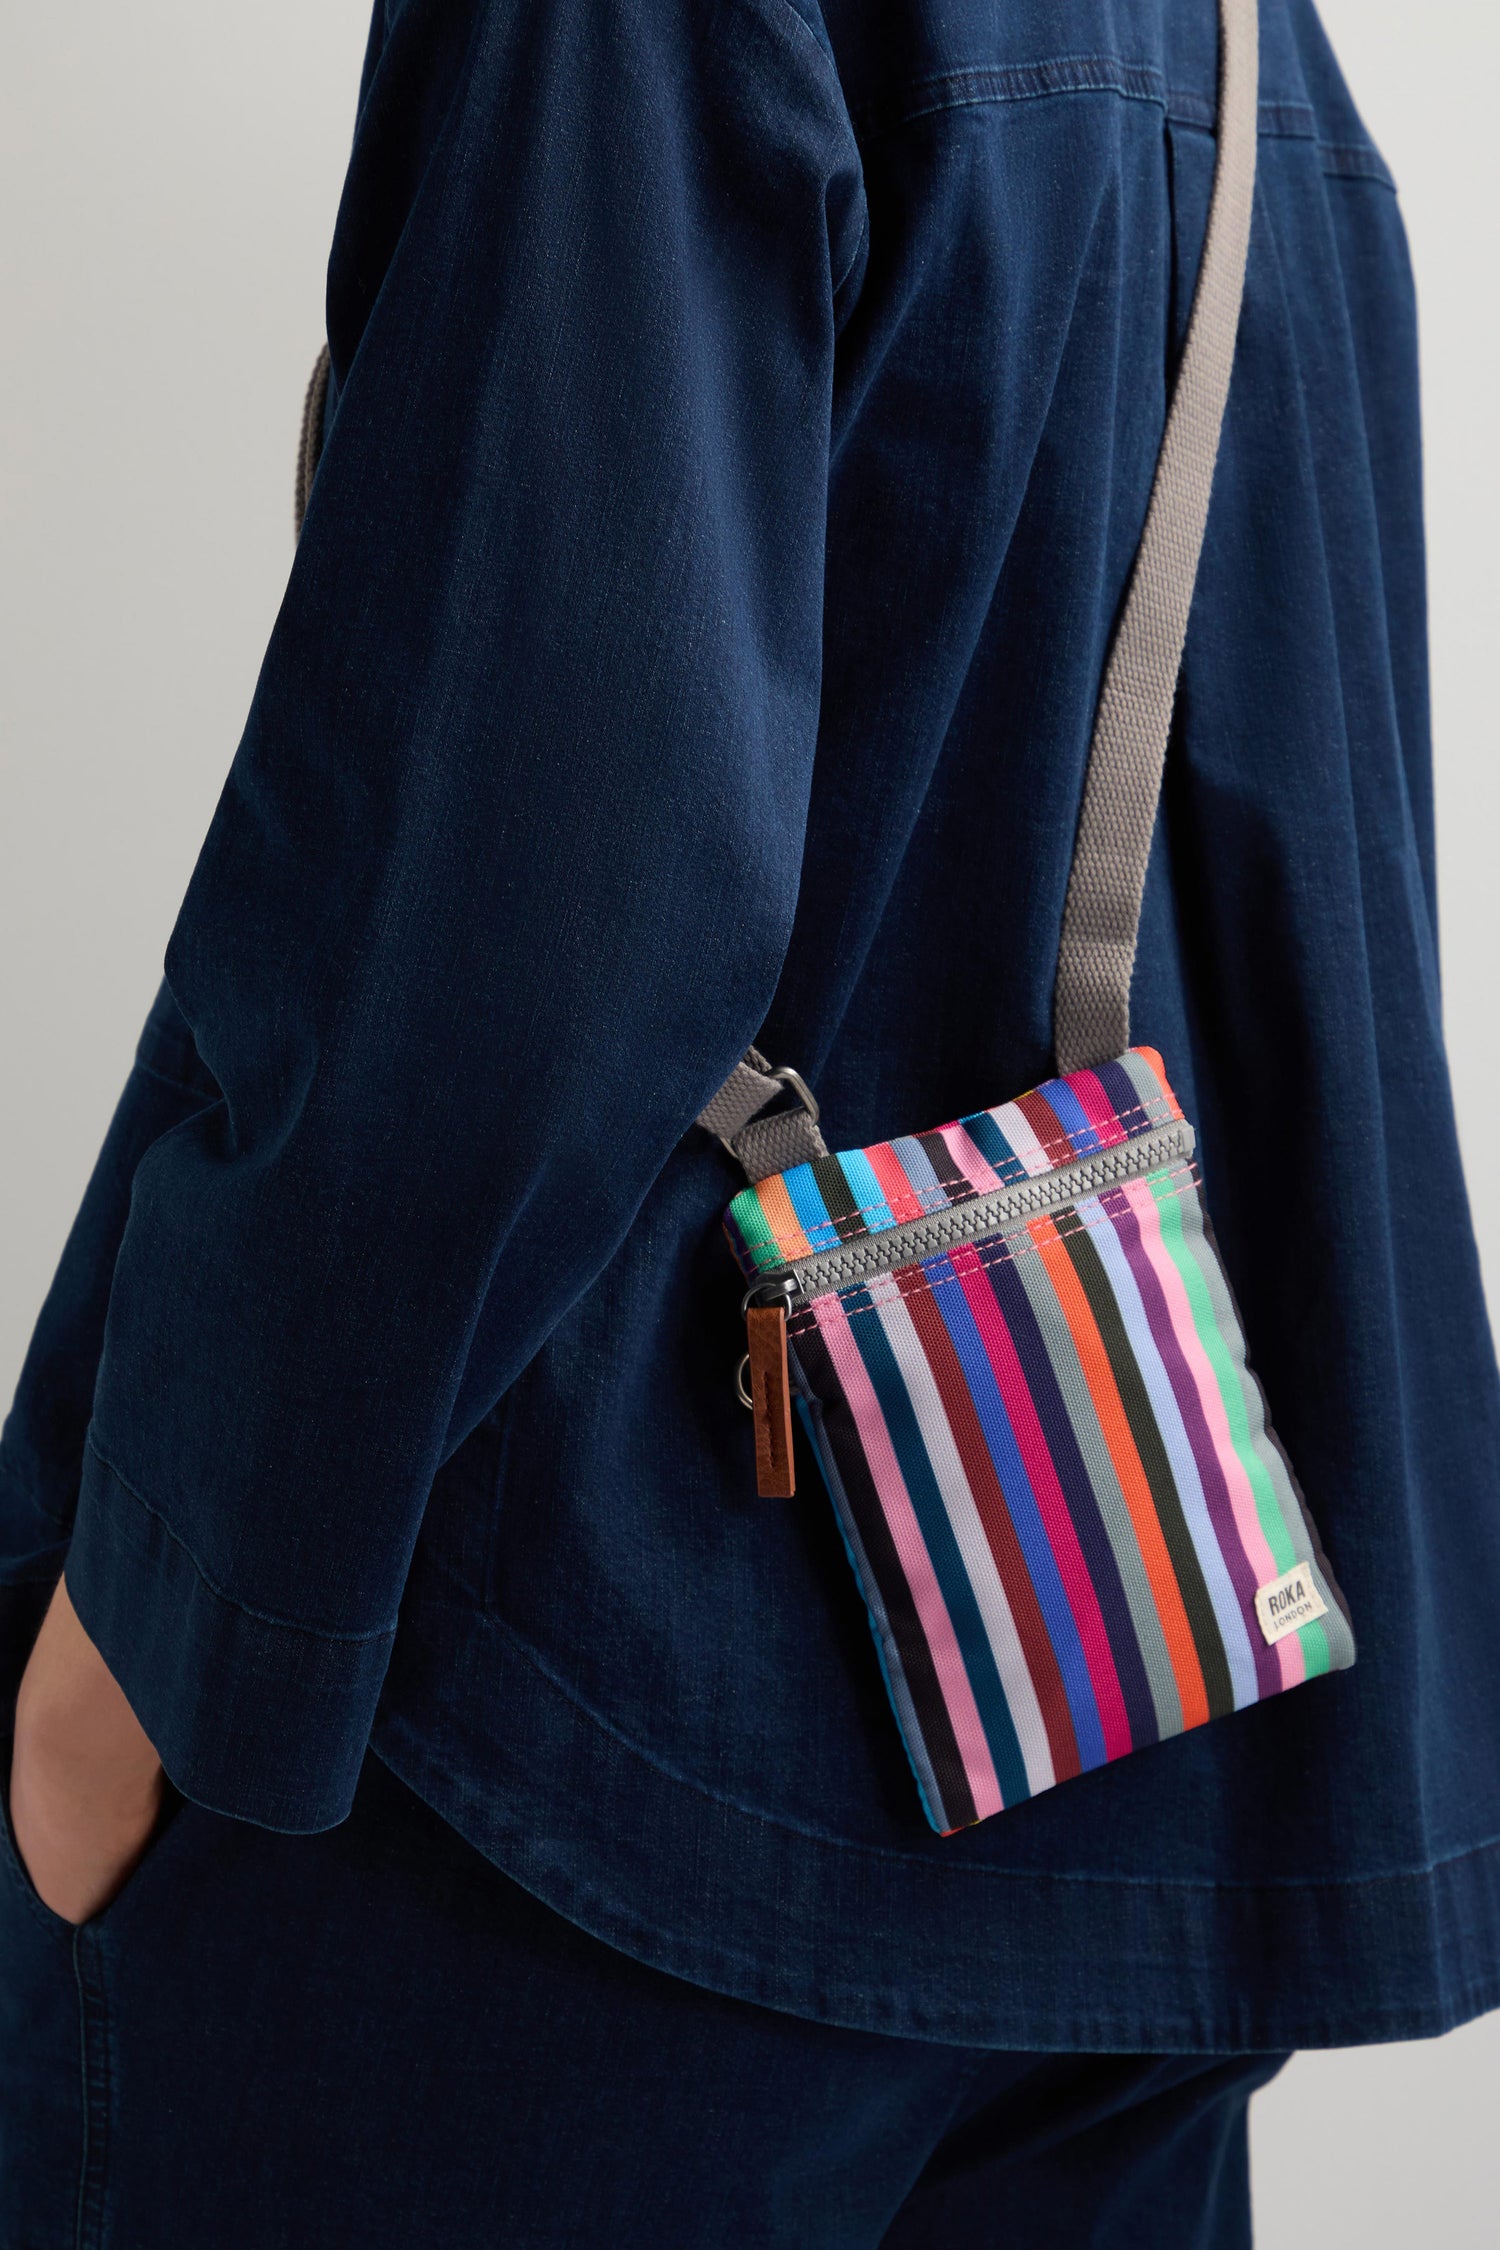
371, 2038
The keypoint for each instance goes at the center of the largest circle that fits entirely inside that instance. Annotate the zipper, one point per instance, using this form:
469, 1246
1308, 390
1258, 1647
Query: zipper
915, 1239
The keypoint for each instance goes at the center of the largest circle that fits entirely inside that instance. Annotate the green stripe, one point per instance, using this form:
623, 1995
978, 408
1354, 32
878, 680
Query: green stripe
1315, 1649
1327, 1641
1317, 1638
749, 1216
1212, 1321
1219, 1333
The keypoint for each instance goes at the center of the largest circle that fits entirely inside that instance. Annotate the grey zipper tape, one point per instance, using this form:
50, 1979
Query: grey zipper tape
1002, 1208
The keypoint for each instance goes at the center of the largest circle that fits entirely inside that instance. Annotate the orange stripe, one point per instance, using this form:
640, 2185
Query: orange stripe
1094, 1360
781, 1217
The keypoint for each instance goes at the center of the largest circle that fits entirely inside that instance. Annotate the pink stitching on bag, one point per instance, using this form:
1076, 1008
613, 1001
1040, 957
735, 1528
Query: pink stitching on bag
867, 1210
998, 1247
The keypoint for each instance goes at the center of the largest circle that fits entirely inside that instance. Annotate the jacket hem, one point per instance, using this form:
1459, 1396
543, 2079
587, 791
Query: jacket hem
653, 1865
259, 1720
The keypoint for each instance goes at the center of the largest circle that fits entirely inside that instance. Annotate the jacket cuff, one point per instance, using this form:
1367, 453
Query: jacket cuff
252, 1716
32, 1547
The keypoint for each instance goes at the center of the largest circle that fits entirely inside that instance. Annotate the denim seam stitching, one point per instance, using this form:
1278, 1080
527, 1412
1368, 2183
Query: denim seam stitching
1355, 160
860, 242
1405, 2021
830, 69
231, 1601
94, 2061
1066, 75
806, 29
1004, 82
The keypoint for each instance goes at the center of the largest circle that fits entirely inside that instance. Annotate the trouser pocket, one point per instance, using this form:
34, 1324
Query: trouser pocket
47, 2083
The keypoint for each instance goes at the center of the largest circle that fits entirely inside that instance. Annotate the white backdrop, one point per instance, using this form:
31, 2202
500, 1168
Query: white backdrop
168, 179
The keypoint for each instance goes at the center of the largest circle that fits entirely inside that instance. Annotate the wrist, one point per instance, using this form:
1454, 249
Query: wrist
88, 1745
72, 1716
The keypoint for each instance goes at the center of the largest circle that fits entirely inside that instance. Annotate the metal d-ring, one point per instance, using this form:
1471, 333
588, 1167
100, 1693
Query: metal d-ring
795, 1083
759, 1293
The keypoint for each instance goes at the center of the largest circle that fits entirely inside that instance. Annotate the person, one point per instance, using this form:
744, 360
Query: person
446, 1805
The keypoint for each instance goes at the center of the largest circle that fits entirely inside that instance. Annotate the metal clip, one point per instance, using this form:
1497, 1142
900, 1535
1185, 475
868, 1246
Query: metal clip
760, 1293
795, 1083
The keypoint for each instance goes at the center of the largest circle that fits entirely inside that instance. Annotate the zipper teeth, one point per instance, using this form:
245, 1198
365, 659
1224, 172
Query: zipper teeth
987, 1214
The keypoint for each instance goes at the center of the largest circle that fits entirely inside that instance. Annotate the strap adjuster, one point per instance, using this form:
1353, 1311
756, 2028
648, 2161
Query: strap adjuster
796, 1084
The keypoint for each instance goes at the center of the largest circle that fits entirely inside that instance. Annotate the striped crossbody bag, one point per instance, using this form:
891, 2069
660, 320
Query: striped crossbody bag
1010, 1340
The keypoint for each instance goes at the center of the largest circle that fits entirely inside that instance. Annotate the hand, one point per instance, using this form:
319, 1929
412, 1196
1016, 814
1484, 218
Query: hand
85, 1784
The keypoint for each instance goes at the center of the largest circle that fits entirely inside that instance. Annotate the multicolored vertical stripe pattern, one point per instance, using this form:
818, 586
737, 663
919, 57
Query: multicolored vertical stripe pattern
1051, 1461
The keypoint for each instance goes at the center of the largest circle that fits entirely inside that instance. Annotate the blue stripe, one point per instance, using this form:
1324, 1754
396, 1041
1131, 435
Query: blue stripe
887, 1652
1078, 1492
868, 1194
993, 1146
942, 1548
917, 1165
1021, 1501
1125, 1097
811, 1210
1072, 1115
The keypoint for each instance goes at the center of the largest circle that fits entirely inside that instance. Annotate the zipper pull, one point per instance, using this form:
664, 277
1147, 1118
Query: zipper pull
771, 1401
764, 1384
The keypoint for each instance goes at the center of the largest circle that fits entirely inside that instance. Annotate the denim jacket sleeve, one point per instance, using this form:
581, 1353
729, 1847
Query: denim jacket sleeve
504, 870
45, 1434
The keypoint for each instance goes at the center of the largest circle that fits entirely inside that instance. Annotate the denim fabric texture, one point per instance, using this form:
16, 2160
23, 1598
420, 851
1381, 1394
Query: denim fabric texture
373, 2040
741, 426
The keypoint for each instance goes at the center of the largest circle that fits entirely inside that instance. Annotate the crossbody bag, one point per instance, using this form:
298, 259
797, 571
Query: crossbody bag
1010, 1339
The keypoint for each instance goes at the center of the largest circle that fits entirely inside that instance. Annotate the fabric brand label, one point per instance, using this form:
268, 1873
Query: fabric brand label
1289, 1601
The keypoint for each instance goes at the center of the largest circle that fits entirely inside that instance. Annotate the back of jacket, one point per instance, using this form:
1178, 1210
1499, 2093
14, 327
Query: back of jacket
741, 426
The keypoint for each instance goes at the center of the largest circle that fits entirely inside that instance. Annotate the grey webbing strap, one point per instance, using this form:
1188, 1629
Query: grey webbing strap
763, 1145
1101, 920
743, 1095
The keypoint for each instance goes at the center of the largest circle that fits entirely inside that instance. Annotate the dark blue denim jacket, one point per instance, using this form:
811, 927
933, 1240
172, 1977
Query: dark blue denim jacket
741, 427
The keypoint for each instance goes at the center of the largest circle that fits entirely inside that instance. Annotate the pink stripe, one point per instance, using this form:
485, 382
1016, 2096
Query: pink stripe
911, 1549
1062, 1537
1097, 1108
968, 1159
1247, 1524
901, 1197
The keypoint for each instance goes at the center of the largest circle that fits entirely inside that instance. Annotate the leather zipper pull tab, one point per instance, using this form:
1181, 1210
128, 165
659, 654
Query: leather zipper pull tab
771, 1401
